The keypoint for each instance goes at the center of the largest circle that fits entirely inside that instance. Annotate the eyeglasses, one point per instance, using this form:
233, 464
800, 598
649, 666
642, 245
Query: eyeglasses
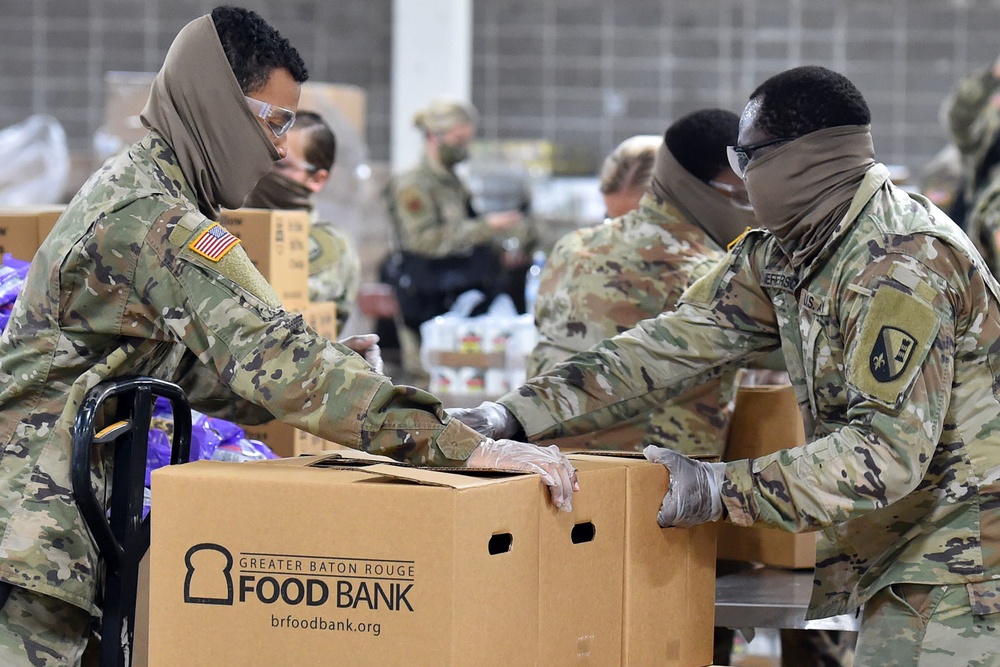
278, 119
740, 156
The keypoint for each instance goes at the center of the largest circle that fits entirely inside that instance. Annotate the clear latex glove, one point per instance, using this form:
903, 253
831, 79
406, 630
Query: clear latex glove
490, 419
693, 497
556, 470
367, 346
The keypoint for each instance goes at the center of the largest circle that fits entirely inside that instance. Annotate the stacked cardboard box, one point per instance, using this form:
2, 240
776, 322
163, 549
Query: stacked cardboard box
277, 242
766, 420
22, 229
363, 562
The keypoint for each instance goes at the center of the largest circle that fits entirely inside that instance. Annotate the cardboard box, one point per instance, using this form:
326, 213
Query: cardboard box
669, 577
19, 232
277, 243
766, 420
308, 561
322, 317
285, 440
46, 220
581, 571
336, 103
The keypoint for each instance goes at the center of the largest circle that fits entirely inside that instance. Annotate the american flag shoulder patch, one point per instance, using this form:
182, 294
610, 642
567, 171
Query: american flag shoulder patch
214, 243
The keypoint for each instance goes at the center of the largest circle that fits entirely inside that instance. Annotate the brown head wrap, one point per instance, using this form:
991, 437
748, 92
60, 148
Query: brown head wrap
801, 190
699, 202
197, 105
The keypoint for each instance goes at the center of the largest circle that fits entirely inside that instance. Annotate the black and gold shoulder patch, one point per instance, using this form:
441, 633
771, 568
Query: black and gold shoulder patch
896, 335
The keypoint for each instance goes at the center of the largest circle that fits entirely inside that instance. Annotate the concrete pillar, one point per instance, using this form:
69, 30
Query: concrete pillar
431, 57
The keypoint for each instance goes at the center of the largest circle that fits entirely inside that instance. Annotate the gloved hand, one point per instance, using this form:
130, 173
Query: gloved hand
367, 346
693, 497
556, 470
490, 419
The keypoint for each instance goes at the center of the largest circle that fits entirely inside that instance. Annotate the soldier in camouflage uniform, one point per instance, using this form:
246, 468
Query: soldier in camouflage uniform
971, 113
431, 211
601, 281
137, 278
888, 321
334, 264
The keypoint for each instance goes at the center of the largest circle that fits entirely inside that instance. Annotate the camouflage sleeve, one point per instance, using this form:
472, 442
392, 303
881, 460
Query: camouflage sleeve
899, 344
721, 319
224, 311
963, 105
425, 228
207, 393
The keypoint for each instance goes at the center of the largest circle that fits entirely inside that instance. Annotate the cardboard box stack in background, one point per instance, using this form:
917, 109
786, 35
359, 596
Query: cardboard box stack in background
766, 420
23, 228
421, 566
277, 243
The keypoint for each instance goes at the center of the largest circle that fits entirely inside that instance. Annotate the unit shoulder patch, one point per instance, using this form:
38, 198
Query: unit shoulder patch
896, 335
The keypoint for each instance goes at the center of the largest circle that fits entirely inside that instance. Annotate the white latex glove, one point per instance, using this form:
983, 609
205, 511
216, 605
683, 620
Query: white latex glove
367, 346
693, 497
556, 470
490, 419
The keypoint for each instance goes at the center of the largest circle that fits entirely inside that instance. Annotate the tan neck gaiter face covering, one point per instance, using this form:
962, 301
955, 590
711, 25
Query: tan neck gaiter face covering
701, 203
281, 192
802, 190
197, 105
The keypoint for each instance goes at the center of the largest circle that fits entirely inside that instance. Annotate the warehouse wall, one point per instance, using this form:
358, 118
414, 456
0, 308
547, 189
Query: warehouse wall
584, 72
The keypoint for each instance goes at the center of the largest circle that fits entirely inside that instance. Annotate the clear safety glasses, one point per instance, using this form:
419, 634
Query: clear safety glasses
740, 156
278, 119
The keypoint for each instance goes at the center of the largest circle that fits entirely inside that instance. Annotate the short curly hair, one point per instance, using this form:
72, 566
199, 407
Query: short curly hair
698, 141
254, 49
806, 99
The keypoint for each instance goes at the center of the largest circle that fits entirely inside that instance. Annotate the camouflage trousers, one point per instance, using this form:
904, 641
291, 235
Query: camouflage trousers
40, 631
913, 625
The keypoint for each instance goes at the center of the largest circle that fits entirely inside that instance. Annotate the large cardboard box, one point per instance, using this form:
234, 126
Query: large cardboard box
277, 243
310, 562
285, 440
581, 572
19, 232
766, 420
669, 577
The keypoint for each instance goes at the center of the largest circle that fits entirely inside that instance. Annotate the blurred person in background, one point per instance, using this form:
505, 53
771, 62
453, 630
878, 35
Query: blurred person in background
625, 174
602, 280
292, 184
675, 204
971, 113
445, 247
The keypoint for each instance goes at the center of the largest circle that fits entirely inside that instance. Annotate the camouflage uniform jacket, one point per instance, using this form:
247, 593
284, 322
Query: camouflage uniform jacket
334, 270
117, 289
890, 339
601, 281
431, 209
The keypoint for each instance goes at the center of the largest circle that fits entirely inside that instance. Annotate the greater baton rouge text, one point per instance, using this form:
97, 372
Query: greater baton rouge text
315, 581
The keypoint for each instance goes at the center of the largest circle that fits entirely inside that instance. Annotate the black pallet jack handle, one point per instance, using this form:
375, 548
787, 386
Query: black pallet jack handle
123, 540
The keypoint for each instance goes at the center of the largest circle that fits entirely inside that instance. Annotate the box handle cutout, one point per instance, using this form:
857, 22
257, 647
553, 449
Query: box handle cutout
501, 543
583, 532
